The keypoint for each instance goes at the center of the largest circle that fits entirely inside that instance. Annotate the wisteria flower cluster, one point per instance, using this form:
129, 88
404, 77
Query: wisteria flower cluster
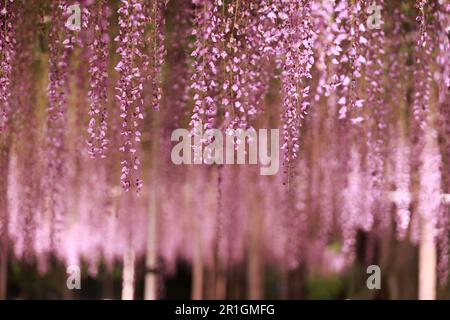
360, 90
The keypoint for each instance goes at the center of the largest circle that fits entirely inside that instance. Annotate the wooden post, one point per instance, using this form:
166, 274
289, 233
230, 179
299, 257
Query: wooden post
196, 218
128, 275
4, 163
221, 283
427, 262
197, 269
151, 258
3, 268
254, 267
220, 279
427, 254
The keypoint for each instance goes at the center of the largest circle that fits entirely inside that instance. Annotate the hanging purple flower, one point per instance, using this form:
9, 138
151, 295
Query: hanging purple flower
7, 52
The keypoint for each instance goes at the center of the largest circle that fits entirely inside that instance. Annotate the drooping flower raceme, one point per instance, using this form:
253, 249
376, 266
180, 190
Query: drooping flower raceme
56, 167
430, 188
422, 66
129, 87
7, 50
155, 11
403, 190
295, 60
98, 71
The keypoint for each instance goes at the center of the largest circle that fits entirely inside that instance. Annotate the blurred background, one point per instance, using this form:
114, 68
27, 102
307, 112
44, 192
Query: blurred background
91, 92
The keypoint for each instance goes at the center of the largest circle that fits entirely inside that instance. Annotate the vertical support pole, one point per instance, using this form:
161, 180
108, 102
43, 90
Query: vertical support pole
220, 280
427, 262
221, 283
128, 276
197, 270
3, 269
150, 289
4, 163
429, 184
196, 218
151, 258
254, 267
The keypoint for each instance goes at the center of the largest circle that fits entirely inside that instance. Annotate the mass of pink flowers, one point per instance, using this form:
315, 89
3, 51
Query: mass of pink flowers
362, 103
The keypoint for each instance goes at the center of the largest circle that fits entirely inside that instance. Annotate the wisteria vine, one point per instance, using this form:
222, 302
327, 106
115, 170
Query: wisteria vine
361, 98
